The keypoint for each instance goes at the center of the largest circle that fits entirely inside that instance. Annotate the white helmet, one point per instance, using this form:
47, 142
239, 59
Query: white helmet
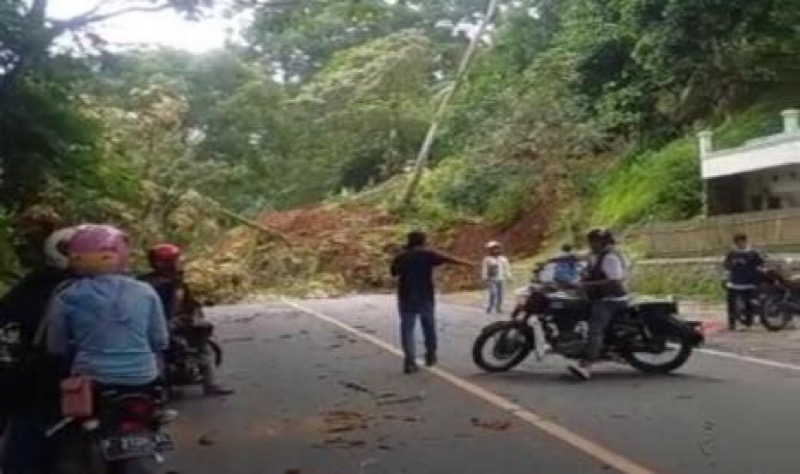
55, 252
493, 245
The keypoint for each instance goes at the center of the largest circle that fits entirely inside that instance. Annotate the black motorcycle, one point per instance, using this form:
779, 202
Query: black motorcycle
780, 302
647, 336
125, 435
775, 302
185, 358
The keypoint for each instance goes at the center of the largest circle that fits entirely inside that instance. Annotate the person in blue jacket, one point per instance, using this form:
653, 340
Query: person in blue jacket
110, 326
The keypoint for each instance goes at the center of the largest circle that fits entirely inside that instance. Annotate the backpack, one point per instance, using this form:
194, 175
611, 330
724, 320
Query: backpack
566, 270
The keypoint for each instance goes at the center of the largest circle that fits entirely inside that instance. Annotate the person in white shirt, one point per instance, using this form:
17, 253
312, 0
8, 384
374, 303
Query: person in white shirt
495, 271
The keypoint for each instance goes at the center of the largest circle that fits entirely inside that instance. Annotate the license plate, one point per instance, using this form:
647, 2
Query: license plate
136, 445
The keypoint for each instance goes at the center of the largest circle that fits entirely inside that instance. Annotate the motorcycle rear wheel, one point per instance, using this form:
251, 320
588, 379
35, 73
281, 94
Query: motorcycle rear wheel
773, 317
509, 342
133, 466
679, 344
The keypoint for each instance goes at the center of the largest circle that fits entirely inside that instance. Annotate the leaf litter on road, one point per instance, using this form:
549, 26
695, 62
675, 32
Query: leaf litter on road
492, 425
207, 439
355, 387
419, 397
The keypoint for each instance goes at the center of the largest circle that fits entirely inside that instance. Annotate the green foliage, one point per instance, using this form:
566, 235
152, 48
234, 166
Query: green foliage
659, 185
665, 184
330, 98
696, 280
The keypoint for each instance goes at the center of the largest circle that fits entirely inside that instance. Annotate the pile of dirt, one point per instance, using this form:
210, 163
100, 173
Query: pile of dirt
328, 250
336, 249
521, 239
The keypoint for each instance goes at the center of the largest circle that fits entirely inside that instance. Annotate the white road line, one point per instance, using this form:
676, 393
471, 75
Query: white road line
752, 360
713, 352
604, 455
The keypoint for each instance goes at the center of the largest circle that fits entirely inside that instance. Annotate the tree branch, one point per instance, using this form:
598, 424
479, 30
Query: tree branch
90, 12
60, 26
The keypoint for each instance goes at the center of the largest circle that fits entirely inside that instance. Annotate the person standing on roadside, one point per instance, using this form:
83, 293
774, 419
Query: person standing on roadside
495, 271
743, 265
416, 296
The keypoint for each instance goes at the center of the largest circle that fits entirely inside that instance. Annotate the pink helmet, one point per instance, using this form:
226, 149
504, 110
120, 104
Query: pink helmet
99, 249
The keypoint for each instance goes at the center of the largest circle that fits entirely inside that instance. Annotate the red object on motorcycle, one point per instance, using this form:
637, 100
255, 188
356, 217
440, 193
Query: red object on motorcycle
77, 397
136, 413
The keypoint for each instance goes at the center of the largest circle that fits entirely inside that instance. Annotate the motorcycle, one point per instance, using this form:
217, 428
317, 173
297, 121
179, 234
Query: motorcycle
647, 336
126, 434
184, 360
775, 302
780, 303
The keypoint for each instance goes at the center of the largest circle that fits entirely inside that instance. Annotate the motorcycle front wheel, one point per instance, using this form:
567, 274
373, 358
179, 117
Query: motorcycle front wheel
501, 346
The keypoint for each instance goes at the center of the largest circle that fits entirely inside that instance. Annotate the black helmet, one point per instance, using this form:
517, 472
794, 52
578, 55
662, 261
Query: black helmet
603, 234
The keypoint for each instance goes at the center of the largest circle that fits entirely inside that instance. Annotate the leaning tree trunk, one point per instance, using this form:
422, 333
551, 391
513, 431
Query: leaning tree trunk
422, 156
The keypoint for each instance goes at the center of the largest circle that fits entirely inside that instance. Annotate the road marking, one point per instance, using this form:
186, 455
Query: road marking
606, 456
753, 360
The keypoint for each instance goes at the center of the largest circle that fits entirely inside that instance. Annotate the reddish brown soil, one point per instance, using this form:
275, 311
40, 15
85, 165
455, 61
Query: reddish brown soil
522, 238
357, 242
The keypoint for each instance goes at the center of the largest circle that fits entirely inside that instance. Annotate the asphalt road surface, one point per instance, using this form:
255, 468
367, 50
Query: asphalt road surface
320, 391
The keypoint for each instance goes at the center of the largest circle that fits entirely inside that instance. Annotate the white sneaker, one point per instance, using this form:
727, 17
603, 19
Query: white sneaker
581, 372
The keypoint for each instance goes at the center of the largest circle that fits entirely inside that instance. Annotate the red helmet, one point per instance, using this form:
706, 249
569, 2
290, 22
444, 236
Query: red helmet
164, 253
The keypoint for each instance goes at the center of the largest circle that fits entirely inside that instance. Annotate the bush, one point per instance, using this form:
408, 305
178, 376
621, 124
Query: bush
666, 184
659, 185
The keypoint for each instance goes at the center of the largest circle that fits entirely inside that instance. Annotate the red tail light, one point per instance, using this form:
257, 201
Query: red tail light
136, 414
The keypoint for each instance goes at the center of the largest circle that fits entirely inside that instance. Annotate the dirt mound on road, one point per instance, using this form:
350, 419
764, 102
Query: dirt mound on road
330, 250
522, 238
336, 249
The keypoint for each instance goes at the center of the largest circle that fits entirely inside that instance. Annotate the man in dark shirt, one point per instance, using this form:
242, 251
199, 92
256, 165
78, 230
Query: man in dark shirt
743, 265
180, 306
415, 293
29, 380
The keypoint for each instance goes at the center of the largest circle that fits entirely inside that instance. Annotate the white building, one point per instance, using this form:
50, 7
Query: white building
762, 174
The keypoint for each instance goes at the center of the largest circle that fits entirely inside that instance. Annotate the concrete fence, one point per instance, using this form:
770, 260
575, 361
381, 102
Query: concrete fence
774, 231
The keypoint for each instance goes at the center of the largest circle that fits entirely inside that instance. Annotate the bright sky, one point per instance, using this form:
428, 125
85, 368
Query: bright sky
165, 28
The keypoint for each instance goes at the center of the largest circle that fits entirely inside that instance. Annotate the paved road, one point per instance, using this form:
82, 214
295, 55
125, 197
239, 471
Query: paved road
319, 393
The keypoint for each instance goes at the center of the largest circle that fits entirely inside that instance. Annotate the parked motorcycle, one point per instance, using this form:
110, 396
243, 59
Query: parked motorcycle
775, 302
184, 359
126, 435
648, 336
780, 303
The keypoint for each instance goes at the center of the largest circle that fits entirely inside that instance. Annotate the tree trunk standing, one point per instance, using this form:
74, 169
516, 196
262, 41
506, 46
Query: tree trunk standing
422, 156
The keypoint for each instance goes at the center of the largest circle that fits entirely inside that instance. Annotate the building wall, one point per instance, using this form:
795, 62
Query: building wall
724, 195
777, 188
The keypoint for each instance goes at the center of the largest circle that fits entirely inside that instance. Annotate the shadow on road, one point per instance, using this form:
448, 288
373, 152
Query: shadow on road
599, 376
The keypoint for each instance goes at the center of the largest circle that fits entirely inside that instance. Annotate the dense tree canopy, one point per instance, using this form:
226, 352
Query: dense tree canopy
324, 97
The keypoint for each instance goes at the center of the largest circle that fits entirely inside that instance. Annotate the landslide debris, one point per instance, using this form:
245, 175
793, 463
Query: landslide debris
336, 249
